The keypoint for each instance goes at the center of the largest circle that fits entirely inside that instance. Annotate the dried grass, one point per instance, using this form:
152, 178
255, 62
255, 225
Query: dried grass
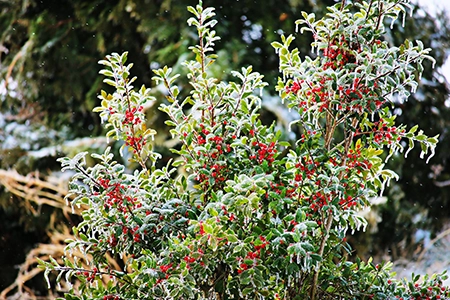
36, 190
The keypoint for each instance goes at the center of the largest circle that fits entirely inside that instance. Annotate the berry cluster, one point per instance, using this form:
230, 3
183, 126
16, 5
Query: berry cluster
383, 133
263, 152
355, 161
116, 196
133, 122
353, 96
164, 272
212, 171
194, 257
420, 291
252, 257
307, 167
296, 86
111, 297
280, 188
90, 275
130, 116
137, 143
231, 217
339, 53
137, 237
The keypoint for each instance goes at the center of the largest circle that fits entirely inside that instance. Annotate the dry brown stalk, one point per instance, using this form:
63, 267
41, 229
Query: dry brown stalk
36, 190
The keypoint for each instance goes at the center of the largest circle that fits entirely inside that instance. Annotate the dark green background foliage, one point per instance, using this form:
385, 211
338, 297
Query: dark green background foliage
48, 55
60, 42
416, 192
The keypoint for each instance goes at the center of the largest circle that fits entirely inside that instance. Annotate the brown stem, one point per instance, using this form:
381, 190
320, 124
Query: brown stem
329, 220
369, 8
380, 7
328, 223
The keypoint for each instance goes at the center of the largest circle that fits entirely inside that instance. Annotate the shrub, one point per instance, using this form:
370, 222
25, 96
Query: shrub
242, 213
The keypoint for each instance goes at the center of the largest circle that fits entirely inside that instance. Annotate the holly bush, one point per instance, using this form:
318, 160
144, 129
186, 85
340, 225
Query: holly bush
242, 213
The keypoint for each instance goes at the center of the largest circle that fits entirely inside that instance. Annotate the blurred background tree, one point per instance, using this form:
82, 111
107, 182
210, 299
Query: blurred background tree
49, 81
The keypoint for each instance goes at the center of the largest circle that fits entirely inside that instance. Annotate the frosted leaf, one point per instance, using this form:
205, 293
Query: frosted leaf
431, 154
382, 188
407, 151
69, 284
364, 227
290, 125
388, 181
391, 152
228, 292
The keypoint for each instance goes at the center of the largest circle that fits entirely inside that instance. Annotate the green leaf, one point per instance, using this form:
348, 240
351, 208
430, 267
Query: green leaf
247, 291
123, 57
110, 82
83, 237
414, 129
213, 243
208, 228
421, 137
276, 45
107, 73
231, 238
138, 220
213, 212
